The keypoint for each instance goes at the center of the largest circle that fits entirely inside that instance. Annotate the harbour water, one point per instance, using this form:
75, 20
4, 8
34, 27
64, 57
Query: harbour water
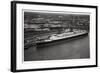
77, 48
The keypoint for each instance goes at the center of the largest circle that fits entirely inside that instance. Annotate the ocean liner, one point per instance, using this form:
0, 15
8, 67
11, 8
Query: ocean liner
53, 38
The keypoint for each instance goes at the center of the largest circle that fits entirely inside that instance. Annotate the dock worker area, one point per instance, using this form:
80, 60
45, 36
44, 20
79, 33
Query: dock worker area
56, 36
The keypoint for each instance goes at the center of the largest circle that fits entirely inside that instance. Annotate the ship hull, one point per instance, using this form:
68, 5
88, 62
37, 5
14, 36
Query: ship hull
50, 43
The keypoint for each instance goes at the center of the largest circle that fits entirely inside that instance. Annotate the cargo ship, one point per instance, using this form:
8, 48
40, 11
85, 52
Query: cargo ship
50, 39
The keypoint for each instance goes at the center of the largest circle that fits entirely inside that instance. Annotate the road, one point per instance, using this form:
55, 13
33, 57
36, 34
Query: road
72, 49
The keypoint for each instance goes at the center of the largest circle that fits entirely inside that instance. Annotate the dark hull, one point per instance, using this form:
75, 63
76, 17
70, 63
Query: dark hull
50, 43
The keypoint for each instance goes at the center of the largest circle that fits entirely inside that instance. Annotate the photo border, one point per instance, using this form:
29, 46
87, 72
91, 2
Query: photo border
13, 35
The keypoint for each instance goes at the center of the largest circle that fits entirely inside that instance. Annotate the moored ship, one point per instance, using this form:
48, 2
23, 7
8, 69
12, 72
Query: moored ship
53, 38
